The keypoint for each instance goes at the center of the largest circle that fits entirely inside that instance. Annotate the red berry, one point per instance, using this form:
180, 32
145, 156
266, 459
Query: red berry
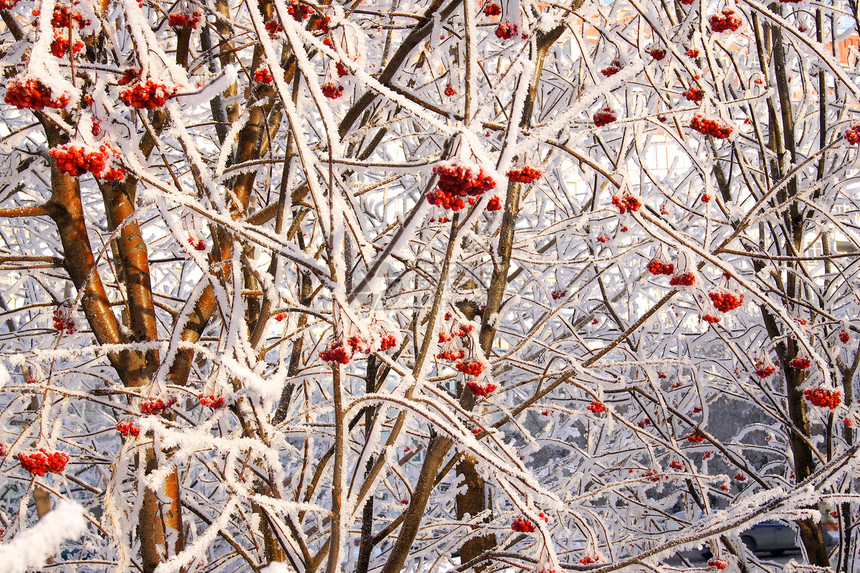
263, 75
612, 69
801, 363
491, 9
147, 95
184, 20
212, 401
696, 437
156, 406
523, 525
449, 90
332, 90
604, 117
684, 279
657, 53
128, 429
694, 94
823, 398
710, 127
726, 301
718, 563
692, 53
30, 93
506, 31
596, 407
526, 174
724, 21
852, 134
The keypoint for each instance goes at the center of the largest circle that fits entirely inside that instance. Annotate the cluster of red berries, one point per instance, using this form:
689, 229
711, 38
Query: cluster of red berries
471, 367
451, 355
696, 437
852, 134
157, 406
147, 95
710, 127
388, 342
710, 318
41, 462
63, 322
602, 239
212, 401
643, 423
596, 407
332, 90
801, 363
263, 76
492, 9
506, 31
299, 12
740, 477
706, 198
626, 203
128, 76
3, 452
726, 301
764, 368
320, 24
589, 560
692, 53
525, 174
657, 53
523, 525
76, 161
603, 117
726, 20
281, 316
184, 20
63, 17
198, 244
449, 90
336, 353
612, 68
676, 465
823, 398
495, 204
273, 27
457, 181
557, 294
30, 93
652, 475
844, 337
479, 389
694, 94
717, 563
8, 4
127, 429
847, 421
659, 268
60, 46
683, 279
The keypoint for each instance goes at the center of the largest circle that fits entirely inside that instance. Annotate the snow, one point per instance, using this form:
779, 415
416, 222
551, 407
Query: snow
32, 547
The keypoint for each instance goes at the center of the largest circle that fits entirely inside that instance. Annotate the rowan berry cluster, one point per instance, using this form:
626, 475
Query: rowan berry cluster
692, 53
157, 406
128, 76
643, 423
388, 342
652, 475
696, 437
471, 367
523, 525
726, 20
495, 204
602, 239
198, 244
603, 117
64, 17
852, 134
30, 93
3, 451
847, 421
212, 401
612, 68
60, 46
449, 90
657, 53
336, 353
479, 389
801, 363
451, 355
706, 198
299, 12
8, 4
263, 76
740, 477
694, 94
676, 465
320, 24
41, 462
557, 294
76, 160
63, 322
147, 95
683, 279
492, 9
717, 563
626, 203
596, 407
506, 31
525, 174
844, 337
764, 368
457, 181
273, 27
184, 20
710, 127
127, 429
823, 398
332, 90
726, 301
656, 267
710, 318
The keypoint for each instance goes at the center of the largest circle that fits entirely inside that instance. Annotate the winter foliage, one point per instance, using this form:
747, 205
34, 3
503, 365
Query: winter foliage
427, 286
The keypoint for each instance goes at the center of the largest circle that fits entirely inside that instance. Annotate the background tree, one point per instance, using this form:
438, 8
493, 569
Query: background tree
380, 286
